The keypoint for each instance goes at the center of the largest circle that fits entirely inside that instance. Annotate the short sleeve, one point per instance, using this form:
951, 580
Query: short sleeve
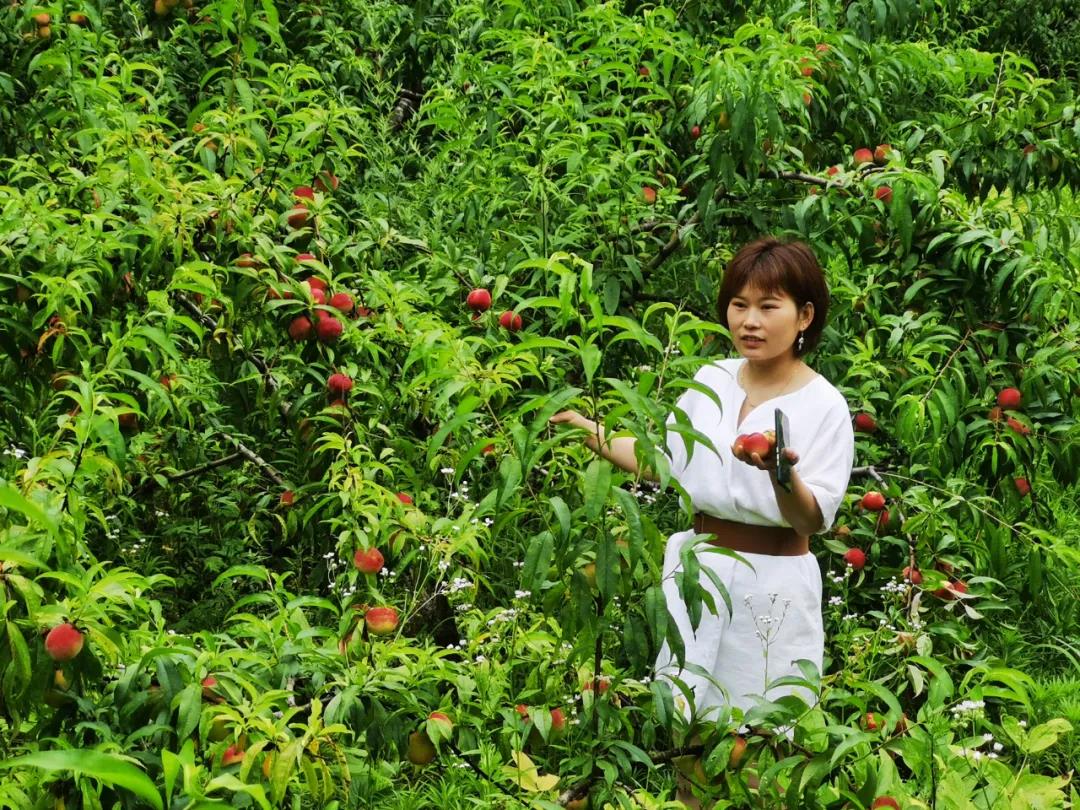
825, 465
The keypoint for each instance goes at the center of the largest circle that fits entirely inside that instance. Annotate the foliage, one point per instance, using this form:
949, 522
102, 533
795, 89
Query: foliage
179, 484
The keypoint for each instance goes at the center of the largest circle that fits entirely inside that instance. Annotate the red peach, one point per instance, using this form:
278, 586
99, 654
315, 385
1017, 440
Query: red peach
233, 754
368, 561
873, 501
343, 302
339, 384
298, 216
478, 300
64, 642
856, 558
326, 181
884, 801
1017, 426
328, 329
300, 328
1009, 398
865, 423
949, 592
209, 683
756, 443
511, 321
863, 156
381, 621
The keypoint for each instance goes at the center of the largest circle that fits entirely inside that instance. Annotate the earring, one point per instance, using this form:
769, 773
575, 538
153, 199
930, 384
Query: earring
801, 341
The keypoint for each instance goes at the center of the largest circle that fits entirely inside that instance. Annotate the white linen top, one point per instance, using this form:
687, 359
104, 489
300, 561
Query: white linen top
820, 432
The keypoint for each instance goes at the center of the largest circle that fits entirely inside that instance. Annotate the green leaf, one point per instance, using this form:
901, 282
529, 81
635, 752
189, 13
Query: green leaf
110, 769
1033, 790
525, 775
537, 562
656, 613
171, 765
607, 566
19, 557
562, 514
20, 656
253, 571
190, 710
663, 702
510, 479
597, 485
690, 590
1046, 734
628, 504
590, 360
466, 411
11, 498
635, 642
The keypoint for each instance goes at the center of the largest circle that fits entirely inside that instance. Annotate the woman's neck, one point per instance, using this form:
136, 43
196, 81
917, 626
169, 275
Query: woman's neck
771, 372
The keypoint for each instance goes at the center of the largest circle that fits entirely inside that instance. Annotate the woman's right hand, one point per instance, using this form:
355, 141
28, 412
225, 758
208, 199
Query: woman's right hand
573, 418
619, 451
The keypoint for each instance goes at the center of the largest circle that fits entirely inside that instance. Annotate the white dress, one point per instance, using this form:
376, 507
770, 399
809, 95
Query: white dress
776, 608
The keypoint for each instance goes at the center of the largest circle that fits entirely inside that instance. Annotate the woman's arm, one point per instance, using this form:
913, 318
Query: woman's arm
619, 451
798, 507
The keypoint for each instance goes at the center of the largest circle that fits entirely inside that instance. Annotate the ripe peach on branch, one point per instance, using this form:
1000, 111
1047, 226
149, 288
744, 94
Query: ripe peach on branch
873, 501
64, 642
1009, 399
381, 621
478, 300
368, 561
864, 423
510, 321
856, 558
862, 156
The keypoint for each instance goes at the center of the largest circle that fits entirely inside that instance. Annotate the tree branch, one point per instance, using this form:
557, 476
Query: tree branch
150, 482
869, 470
672, 244
253, 358
256, 459
221, 462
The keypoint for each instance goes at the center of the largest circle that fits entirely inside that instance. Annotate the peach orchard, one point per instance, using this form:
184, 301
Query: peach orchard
288, 293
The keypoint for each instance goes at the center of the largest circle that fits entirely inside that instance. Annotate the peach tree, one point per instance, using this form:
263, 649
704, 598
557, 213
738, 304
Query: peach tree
289, 294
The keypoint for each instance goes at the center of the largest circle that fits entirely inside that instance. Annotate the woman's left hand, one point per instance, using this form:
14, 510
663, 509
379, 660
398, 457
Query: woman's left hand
769, 462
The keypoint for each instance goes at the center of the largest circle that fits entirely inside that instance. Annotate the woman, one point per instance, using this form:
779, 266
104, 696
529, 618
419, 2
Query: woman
773, 300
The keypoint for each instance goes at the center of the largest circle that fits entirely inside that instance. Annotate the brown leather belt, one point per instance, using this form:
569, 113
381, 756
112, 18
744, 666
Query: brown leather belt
777, 541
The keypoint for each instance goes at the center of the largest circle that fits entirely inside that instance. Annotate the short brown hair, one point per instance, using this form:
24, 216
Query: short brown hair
771, 265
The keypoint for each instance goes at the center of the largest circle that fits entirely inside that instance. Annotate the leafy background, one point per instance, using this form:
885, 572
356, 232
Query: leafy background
155, 409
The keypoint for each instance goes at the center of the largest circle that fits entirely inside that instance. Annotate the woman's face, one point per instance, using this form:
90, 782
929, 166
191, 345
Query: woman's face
765, 325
